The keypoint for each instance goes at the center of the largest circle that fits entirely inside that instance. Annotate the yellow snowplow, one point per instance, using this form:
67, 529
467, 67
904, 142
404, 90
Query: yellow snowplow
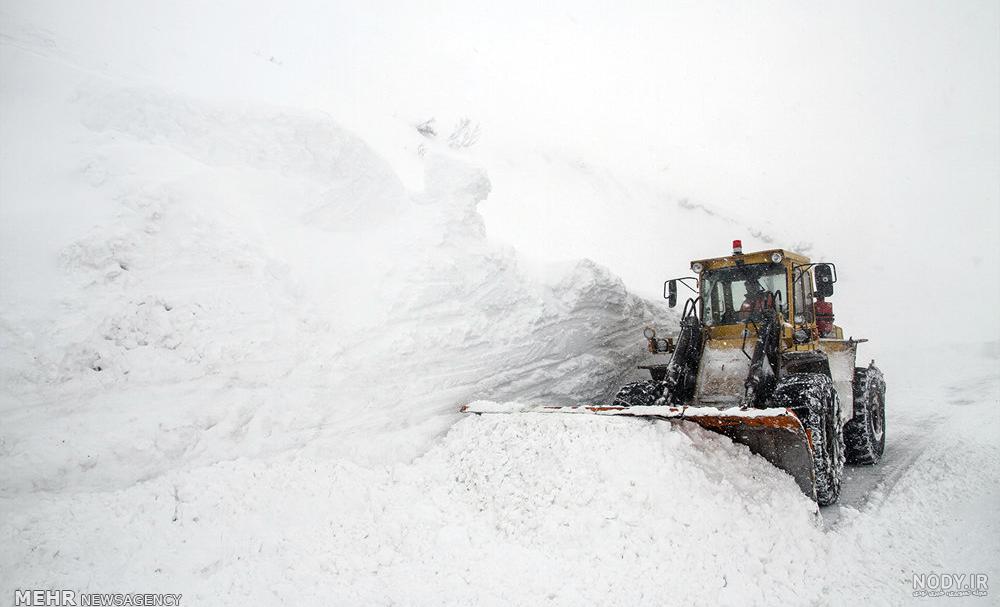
759, 359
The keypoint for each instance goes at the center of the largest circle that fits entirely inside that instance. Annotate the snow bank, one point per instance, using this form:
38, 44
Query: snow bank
505, 509
253, 280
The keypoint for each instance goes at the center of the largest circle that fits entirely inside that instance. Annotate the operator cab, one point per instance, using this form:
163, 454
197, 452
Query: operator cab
728, 293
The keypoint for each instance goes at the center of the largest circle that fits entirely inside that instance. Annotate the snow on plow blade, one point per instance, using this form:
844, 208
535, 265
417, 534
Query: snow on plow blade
777, 435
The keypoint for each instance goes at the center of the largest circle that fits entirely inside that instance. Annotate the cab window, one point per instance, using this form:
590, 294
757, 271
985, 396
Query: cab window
736, 294
803, 289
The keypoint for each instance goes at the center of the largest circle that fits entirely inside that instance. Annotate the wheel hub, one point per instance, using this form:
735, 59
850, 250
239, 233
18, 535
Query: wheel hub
876, 418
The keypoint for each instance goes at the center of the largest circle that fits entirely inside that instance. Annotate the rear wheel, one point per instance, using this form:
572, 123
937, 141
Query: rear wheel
814, 399
864, 435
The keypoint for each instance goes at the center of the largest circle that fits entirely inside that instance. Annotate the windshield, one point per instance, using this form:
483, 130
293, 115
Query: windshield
740, 293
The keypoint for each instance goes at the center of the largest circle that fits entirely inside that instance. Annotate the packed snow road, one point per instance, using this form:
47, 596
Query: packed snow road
942, 397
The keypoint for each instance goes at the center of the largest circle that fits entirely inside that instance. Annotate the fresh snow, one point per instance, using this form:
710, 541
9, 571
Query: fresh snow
524, 508
236, 337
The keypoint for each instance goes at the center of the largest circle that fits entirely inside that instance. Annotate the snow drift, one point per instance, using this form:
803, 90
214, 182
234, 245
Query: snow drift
254, 281
504, 510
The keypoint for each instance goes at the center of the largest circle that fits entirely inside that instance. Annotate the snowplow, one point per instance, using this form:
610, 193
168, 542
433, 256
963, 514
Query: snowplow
759, 359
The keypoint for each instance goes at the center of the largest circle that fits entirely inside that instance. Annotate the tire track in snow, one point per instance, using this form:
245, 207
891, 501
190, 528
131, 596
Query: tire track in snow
908, 441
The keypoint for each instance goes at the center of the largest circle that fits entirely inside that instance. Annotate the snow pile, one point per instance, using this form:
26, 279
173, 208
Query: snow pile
506, 509
529, 508
245, 282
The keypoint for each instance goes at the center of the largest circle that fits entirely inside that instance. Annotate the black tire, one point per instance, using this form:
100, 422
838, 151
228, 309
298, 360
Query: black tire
864, 435
639, 393
814, 399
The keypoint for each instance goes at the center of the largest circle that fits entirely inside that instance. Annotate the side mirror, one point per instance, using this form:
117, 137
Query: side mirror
824, 280
671, 293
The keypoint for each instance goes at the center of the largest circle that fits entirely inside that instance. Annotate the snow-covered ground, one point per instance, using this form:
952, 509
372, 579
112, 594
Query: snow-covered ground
235, 337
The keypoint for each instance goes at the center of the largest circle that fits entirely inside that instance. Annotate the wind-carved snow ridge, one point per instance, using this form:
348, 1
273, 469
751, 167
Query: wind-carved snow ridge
259, 281
357, 189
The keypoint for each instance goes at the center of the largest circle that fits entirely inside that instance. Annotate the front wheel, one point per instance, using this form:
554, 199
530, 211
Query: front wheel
865, 433
640, 393
814, 399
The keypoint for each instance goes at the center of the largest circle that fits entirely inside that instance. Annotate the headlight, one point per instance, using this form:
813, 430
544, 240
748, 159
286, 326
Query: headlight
649, 333
776, 257
696, 268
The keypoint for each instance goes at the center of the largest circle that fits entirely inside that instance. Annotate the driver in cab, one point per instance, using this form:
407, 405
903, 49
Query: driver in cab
756, 301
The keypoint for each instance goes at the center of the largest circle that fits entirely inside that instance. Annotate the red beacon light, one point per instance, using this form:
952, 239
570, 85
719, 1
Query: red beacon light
737, 247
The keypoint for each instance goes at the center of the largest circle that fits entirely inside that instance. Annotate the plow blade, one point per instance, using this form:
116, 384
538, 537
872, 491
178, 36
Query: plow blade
777, 435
